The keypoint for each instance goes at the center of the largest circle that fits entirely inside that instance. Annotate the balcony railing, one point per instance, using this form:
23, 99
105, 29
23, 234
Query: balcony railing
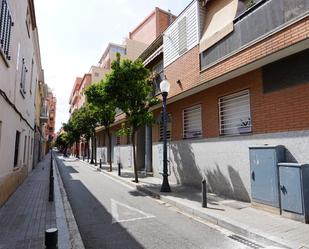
258, 21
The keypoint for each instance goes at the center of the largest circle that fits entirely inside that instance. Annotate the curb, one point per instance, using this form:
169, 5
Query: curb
232, 226
75, 237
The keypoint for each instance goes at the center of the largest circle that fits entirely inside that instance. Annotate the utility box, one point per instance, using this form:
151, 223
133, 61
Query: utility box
294, 190
264, 173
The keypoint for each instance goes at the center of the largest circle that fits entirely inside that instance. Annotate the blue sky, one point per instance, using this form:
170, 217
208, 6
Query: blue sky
74, 33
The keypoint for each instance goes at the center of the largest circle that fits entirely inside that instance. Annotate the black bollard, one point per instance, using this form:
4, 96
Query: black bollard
119, 169
204, 194
100, 163
51, 189
51, 238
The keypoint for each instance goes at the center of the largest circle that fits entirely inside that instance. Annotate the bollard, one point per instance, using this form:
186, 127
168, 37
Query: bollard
83, 157
119, 169
51, 189
51, 238
100, 163
204, 194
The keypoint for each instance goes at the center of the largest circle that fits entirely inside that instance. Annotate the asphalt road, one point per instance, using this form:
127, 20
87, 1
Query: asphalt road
110, 214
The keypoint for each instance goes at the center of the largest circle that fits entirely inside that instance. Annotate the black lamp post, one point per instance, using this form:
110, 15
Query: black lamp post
165, 87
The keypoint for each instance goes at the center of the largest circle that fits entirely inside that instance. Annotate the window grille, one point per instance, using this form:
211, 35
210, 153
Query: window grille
5, 29
168, 127
234, 113
182, 36
192, 122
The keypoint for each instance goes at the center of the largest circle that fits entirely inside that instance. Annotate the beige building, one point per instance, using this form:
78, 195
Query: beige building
20, 71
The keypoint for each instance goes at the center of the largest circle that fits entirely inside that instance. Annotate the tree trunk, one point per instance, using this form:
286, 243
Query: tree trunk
134, 155
110, 150
88, 150
92, 149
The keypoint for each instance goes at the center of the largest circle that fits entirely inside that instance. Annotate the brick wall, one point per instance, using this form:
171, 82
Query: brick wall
282, 110
291, 35
185, 69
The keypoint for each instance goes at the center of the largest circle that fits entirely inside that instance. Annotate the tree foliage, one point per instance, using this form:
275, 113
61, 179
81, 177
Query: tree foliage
128, 85
106, 109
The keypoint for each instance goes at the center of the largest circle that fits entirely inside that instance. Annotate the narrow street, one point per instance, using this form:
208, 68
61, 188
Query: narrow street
112, 215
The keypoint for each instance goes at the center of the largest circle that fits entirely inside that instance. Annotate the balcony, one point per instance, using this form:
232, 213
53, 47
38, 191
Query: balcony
257, 22
44, 117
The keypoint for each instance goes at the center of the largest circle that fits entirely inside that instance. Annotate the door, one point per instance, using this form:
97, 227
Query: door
290, 187
264, 176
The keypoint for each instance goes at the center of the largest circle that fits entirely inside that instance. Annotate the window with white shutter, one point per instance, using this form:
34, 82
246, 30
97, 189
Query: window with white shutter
192, 122
5, 29
24, 71
234, 113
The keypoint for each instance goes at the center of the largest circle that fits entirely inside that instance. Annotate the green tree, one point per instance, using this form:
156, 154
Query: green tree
128, 84
97, 96
84, 121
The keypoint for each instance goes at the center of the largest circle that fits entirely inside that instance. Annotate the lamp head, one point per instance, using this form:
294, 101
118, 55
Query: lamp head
164, 86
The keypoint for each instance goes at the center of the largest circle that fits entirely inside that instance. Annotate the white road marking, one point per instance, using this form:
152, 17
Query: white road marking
115, 214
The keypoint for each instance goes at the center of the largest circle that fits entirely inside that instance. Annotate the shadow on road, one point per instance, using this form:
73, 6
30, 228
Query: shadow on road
93, 220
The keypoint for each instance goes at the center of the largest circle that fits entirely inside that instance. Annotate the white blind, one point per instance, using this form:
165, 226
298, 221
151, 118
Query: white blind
234, 113
192, 122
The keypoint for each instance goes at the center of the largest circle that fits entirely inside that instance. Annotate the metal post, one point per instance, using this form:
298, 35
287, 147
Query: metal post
204, 194
100, 163
51, 238
51, 179
165, 185
51, 189
119, 169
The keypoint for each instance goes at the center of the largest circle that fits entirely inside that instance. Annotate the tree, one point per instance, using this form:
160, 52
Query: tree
97, 96
128, 84
84, 121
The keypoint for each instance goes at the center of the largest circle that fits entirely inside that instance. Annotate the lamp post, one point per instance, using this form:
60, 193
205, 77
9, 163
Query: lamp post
165, 87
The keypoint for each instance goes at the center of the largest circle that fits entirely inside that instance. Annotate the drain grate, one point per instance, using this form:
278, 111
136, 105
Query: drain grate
245, 241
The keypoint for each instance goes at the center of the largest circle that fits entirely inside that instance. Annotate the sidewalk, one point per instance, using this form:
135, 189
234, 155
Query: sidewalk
238, 217
28, 213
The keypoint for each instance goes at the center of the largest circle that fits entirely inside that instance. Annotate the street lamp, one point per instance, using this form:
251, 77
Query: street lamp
165, 87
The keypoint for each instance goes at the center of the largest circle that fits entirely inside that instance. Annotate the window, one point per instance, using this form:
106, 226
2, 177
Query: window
24, 70
168, 127
117, 140
192, 122
96, 74
25, 147
182, 36
28, 22
31, 77
5, 29
17, 136
158, 76
234, 113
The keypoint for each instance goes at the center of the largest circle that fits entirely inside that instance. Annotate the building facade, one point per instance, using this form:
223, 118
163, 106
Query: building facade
21, 72
234, 83
239, 77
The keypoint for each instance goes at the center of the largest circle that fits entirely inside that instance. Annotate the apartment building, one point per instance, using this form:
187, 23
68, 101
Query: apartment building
138, 41
239, 76
51, 102
41, 120
20, 72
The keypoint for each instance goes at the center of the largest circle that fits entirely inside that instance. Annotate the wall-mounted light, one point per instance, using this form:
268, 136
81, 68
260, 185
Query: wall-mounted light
178, 82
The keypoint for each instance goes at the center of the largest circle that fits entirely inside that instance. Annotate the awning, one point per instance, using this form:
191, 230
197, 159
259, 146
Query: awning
218, 22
